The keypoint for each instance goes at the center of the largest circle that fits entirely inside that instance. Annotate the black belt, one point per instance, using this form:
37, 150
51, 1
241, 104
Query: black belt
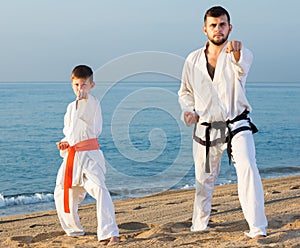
222, 125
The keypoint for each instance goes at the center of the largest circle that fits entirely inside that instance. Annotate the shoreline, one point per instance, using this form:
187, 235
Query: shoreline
36, 207
163, 220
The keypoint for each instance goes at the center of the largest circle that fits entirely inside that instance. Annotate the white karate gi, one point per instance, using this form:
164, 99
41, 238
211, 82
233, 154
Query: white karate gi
222, 99
80, 124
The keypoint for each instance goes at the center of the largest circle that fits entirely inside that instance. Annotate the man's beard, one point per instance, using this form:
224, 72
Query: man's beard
220, 42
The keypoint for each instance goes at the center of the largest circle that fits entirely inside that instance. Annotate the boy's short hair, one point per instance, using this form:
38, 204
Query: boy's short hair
216, 11
82, 71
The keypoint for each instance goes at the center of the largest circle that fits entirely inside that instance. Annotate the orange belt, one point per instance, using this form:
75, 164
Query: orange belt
86, 145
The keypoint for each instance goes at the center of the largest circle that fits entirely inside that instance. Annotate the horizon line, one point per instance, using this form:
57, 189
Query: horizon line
132, 81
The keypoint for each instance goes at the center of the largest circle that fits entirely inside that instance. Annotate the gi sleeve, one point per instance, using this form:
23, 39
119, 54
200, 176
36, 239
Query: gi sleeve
90, 113
85, 110
186, 93
244, 64
66, 129
98, 120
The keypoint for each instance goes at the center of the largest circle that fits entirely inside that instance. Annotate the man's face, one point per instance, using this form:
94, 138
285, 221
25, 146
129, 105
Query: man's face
217, 29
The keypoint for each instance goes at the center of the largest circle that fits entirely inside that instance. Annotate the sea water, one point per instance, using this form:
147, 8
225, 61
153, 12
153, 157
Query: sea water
146, 146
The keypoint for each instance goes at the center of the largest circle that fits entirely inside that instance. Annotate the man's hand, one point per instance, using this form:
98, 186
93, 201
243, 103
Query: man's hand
62, 145
234, 47
190, 118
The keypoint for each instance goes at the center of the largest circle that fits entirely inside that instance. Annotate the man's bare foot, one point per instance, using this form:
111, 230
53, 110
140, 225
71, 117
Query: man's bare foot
114, 240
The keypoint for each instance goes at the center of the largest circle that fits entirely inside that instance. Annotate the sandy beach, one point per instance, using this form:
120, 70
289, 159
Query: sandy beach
163, 220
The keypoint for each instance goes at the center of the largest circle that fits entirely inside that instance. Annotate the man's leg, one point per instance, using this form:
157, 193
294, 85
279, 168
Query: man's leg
204, 184
250, 189
70, 222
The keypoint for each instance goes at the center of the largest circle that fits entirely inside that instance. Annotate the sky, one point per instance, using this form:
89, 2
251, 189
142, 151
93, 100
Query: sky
42, 40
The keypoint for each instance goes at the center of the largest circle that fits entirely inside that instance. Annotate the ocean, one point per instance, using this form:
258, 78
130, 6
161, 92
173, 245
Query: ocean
146, 146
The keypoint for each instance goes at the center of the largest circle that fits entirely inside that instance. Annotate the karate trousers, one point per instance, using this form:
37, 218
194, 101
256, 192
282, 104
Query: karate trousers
70, 222
250, 189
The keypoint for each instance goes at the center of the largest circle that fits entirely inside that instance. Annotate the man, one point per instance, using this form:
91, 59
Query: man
212, 96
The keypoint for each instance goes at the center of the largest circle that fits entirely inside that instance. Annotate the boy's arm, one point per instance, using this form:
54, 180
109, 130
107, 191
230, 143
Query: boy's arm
86, 110
98, 120
62, 145
89, 111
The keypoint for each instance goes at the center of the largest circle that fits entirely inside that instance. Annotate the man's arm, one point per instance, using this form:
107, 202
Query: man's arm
241, 57
186, 96
190, 118
235, 47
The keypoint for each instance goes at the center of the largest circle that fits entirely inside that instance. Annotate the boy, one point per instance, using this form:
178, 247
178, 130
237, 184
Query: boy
83, 167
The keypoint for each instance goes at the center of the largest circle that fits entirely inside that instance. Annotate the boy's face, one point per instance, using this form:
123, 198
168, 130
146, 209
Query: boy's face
82, 84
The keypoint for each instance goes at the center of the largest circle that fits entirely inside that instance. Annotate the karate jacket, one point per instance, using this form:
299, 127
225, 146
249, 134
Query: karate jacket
80, 124
220, 99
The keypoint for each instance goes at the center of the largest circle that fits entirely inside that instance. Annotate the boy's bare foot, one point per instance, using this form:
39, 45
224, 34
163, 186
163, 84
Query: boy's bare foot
260, 236
114, 240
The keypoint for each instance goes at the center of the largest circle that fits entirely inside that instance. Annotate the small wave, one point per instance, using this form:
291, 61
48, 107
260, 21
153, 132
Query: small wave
219, 182
25, 199
187, 186
287, 170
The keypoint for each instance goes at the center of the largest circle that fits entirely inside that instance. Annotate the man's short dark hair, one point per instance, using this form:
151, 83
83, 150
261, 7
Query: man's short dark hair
216, 11
82, 71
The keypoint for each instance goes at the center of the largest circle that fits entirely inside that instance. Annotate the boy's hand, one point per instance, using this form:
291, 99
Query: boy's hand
62, 145
82, 94
190, 118
234, 47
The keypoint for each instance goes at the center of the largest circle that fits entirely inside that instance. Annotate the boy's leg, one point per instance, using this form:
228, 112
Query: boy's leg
107, 226
204, 184
70, 222
250, 189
